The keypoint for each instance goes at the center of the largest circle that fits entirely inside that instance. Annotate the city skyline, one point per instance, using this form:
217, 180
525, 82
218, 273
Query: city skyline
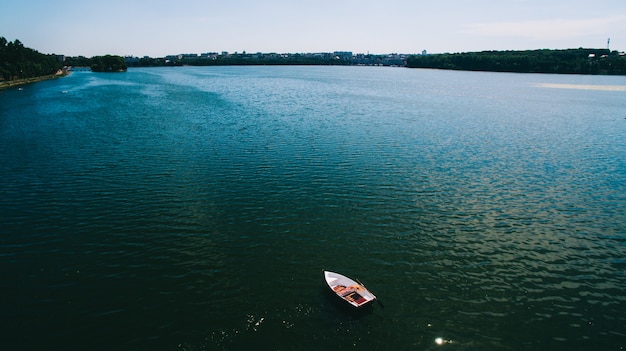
132, 28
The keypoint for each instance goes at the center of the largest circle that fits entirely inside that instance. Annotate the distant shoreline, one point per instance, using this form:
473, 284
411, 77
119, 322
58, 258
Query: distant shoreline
25, 81
568, 61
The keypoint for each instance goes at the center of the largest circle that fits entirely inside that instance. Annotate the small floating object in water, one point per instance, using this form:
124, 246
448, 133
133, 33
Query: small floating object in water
348, 290
64, 92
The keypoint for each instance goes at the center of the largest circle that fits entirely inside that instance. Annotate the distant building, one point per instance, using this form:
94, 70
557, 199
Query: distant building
129, 60
424, 52
343, 55
209, 55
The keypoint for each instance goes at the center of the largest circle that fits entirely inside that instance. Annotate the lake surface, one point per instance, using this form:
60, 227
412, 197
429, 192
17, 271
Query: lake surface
195, 208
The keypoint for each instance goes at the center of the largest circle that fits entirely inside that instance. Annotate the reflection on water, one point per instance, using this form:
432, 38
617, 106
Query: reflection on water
194, 208
584, 86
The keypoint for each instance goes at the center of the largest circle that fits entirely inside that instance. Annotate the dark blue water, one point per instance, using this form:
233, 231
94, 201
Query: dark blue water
194, 209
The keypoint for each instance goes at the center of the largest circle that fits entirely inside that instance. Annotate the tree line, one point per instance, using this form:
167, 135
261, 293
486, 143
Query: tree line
569, 61
241, 60
20, 62
106, 63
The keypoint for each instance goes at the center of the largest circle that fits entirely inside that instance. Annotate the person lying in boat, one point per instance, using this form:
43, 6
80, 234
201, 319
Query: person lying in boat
345, 290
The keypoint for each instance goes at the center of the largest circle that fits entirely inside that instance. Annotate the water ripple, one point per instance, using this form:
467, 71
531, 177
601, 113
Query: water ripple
198, 210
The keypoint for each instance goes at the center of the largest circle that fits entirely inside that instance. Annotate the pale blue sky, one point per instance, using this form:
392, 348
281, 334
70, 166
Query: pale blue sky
158, 28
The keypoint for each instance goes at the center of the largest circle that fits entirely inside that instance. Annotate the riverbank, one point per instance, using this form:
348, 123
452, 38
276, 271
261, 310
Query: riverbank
569, 61
19, 82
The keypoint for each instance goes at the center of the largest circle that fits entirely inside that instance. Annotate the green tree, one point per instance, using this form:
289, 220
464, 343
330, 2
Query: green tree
108, 63
571, 61
18, 61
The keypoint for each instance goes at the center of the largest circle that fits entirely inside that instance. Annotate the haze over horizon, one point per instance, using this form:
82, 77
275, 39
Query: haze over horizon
161, 28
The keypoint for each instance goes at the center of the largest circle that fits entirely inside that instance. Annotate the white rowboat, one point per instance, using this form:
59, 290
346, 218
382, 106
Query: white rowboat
348, 290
